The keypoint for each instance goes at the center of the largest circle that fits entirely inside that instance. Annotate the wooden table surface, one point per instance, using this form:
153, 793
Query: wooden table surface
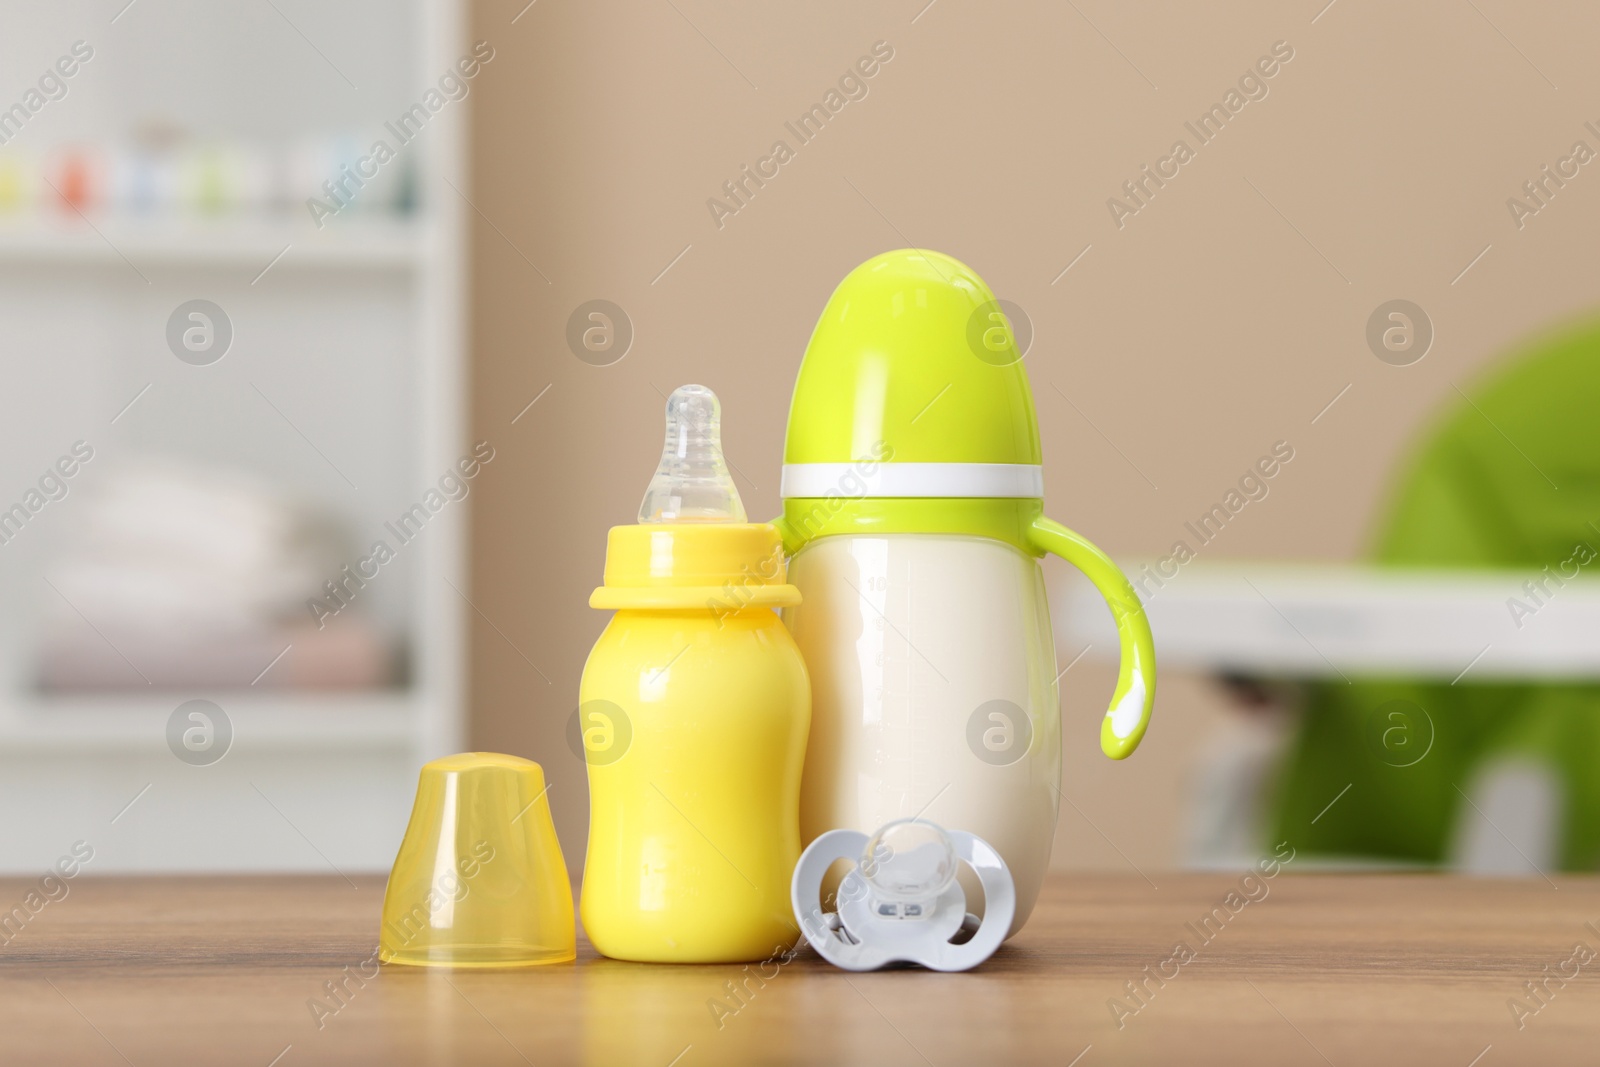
1326, 968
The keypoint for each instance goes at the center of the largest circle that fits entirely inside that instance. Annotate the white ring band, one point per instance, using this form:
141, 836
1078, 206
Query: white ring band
1023, 480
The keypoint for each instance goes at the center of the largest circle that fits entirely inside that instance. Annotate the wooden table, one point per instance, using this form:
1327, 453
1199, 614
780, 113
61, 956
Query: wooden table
1341, 969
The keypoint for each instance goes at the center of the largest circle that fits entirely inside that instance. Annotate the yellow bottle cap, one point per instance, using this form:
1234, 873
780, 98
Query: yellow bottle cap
479, 880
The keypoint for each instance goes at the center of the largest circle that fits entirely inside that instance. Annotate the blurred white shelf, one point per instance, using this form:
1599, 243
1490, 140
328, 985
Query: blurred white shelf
279, 721
251, 243
312, 780
1350, 621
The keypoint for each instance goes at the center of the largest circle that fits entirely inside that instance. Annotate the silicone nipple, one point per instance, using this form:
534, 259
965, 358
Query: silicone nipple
909, 860
692, 483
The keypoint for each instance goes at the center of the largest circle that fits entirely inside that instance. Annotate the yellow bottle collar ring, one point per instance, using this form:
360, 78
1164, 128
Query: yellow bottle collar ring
720, 566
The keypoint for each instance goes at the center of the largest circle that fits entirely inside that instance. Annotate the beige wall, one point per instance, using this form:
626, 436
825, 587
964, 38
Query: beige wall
1204, 330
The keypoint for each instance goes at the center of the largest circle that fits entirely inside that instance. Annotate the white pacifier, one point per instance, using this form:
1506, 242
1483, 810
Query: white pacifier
901, 902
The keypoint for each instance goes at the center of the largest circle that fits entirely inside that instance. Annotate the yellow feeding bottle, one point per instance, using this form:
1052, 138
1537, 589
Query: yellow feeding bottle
695, 707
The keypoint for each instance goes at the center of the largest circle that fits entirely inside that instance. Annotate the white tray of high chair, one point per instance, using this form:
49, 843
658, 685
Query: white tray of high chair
1338, 620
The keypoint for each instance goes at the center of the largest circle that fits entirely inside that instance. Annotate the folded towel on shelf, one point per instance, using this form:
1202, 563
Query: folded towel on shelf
180, 575
348, 653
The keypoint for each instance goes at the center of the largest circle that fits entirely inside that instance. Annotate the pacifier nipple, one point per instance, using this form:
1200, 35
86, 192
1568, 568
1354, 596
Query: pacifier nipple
908, 864
692, 483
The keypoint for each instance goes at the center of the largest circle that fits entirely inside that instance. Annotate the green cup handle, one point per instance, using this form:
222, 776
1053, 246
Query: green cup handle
1124, 725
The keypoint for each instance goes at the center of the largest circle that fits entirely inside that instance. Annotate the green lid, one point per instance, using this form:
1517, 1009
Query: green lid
912, 362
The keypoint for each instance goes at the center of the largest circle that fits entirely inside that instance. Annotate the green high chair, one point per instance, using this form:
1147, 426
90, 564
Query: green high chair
1508, 479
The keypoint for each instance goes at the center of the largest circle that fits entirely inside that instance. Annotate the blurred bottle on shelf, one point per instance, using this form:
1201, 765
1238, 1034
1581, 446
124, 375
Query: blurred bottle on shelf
18, 173
76, 177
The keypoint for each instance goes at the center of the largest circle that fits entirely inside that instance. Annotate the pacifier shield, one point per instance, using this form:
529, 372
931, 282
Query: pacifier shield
900, 901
